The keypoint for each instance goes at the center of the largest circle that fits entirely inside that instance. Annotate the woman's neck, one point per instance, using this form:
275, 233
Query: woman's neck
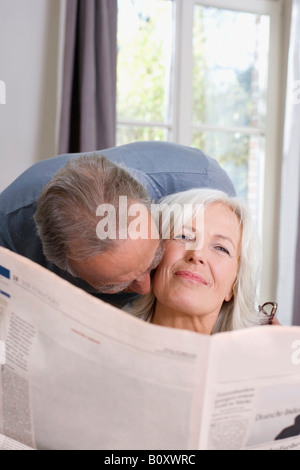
171, 318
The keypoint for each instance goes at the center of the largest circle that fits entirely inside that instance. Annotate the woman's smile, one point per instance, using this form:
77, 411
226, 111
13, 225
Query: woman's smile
191, 277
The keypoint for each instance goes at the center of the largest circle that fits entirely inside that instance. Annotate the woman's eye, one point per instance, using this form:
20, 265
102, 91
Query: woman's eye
223, 249
184, 237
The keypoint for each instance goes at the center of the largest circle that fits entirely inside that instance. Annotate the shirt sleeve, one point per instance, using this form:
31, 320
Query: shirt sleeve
5, 239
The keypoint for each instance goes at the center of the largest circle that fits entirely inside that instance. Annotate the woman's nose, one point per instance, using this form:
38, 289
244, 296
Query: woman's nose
142, 284
196, 257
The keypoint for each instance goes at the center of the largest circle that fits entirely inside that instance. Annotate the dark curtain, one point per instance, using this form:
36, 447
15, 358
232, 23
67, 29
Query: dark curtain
88, 112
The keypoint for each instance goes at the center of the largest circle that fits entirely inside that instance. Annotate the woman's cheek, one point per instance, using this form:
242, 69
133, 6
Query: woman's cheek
224, 275
161, 281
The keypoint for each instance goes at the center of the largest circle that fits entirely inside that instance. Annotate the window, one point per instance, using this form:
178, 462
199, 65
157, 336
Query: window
145, 65
229, 93
197, 72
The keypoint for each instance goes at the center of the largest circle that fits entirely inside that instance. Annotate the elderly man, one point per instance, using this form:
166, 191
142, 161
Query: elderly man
49, 214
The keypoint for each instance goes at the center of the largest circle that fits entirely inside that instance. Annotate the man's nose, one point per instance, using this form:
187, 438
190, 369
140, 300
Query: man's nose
142, 284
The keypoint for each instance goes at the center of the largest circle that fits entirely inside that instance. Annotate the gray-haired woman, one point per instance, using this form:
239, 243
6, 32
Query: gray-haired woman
207, 281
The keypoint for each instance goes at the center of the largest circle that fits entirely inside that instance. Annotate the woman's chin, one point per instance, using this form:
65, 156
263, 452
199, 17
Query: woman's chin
184, 307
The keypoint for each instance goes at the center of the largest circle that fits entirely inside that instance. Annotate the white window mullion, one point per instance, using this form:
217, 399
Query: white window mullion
132, 123
230, 129
270, 200
261, 7
183, 92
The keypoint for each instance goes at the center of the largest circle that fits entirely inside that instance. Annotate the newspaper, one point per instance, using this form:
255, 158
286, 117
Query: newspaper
78, 373
9, 444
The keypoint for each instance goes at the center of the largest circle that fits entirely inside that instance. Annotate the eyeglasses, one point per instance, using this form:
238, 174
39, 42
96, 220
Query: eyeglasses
269, 309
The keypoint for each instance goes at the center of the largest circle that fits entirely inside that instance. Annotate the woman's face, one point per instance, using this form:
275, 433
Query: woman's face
199, 280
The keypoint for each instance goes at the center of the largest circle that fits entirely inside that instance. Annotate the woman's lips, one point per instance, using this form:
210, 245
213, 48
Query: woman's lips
193, 277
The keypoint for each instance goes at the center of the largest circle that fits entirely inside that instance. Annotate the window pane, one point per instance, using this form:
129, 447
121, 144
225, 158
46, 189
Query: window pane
230, 67
125, 134
241, 156
145, 33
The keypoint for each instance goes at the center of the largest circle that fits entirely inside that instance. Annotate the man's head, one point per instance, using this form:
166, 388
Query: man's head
67, 218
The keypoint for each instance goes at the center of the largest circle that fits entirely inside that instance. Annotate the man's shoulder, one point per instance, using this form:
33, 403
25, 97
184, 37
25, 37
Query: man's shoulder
25, 190
159, 157
162, 167
172, 167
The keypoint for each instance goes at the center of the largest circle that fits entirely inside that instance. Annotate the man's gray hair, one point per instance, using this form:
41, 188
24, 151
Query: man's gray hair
66, 210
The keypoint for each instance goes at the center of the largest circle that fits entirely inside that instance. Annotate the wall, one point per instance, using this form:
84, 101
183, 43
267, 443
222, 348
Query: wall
29, 32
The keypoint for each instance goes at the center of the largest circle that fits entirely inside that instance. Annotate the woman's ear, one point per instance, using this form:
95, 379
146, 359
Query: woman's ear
229, 297
231, 293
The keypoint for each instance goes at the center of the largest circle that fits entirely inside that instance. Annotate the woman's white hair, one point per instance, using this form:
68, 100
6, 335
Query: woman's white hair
242, 310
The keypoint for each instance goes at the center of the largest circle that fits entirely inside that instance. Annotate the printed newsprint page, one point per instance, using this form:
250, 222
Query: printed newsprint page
79, 374
9, 444
253, 391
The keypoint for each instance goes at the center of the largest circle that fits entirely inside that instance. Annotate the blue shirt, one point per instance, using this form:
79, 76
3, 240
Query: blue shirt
162, 168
